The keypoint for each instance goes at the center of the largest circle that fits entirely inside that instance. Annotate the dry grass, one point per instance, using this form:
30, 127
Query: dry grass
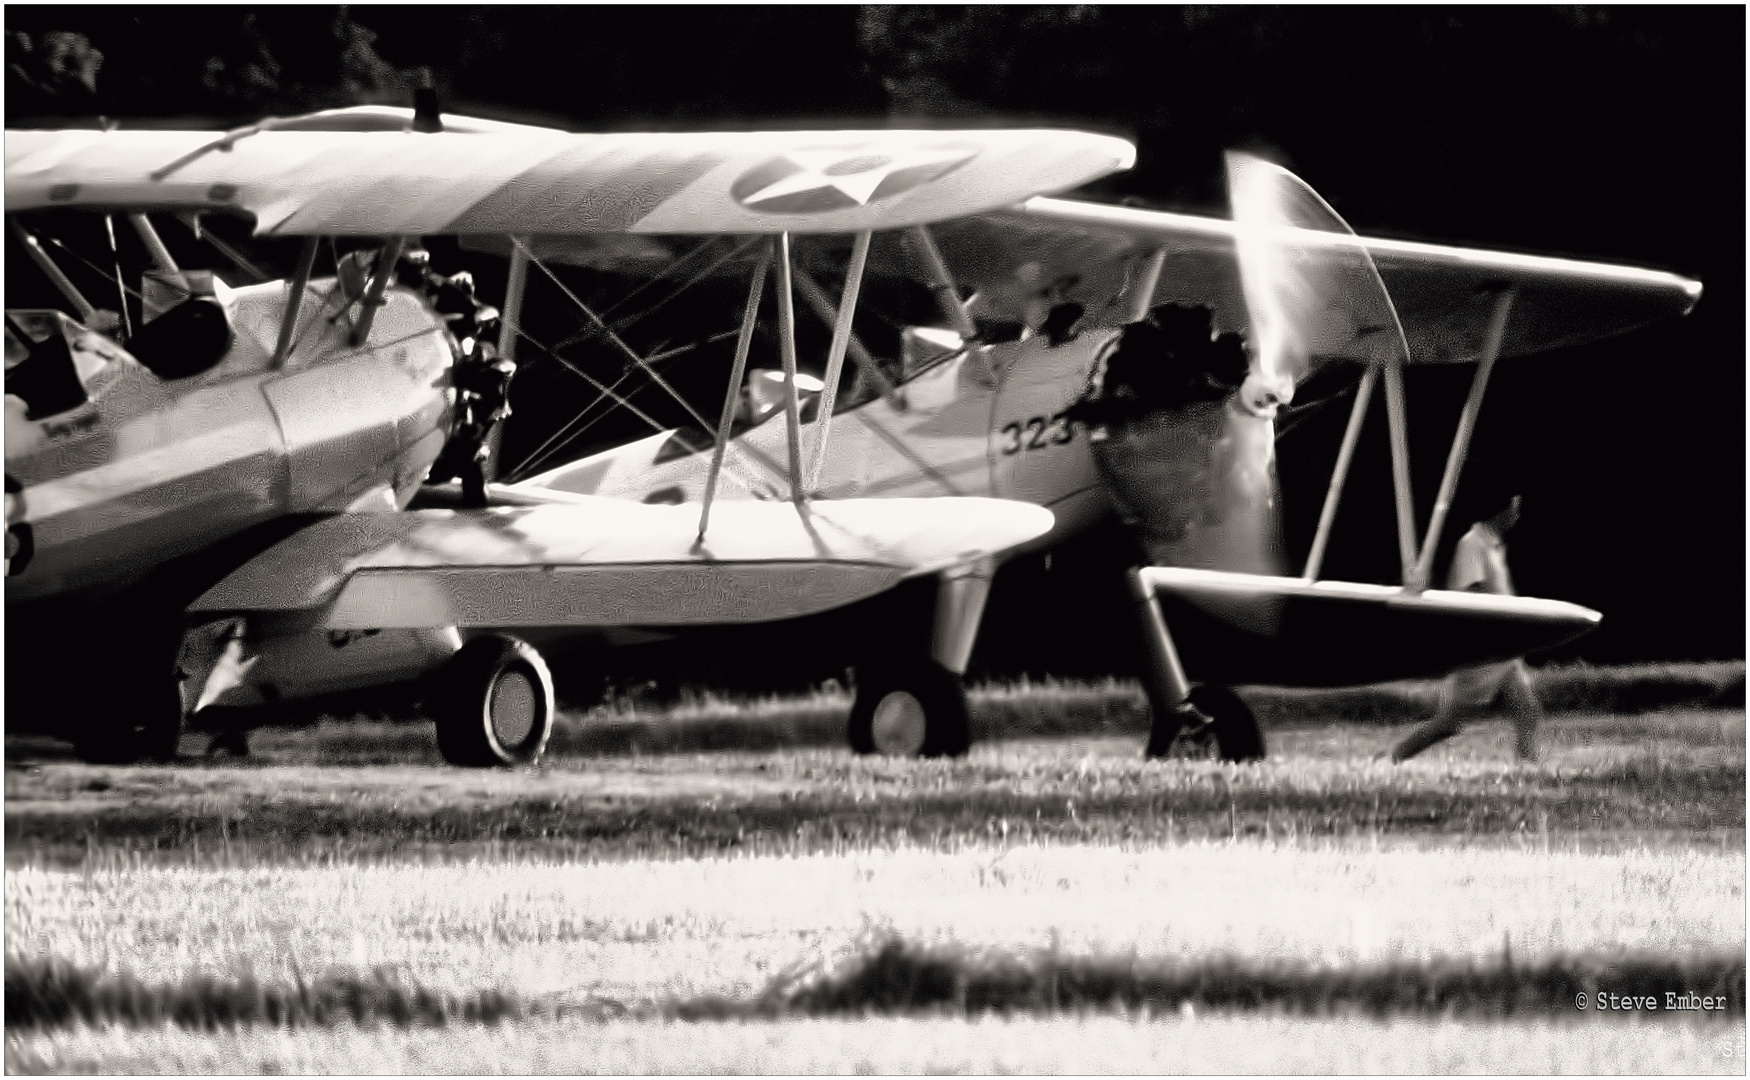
1024, 708
1195, 1043
704, 720
1669, 778
642, 932
342, 863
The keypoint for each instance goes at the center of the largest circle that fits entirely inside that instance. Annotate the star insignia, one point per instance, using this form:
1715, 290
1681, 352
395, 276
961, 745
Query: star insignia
838, 178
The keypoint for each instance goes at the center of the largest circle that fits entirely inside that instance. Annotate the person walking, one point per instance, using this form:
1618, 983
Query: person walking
1479, 564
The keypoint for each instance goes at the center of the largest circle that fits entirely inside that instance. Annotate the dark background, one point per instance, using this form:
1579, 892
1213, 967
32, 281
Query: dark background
1611, 133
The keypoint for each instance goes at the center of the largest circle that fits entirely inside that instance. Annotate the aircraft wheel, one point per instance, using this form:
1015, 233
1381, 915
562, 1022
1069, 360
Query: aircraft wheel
914, 709
1230, 734
493, 704
123, 728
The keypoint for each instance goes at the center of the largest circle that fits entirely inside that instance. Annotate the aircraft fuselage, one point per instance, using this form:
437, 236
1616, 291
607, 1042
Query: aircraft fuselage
989, 421
147, 470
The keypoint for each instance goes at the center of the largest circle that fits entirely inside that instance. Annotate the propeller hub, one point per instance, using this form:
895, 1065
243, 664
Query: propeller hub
1261, 394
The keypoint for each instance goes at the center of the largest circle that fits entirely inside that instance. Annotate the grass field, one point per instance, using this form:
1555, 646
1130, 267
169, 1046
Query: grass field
1067, 1045
1605, 781
1025, 1045
634, 883
638, 931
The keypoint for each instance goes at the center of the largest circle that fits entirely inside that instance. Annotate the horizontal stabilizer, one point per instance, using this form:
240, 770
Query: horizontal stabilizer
586, 561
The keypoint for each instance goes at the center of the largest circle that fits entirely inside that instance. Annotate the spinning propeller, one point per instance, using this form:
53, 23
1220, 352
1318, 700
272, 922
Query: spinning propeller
1311, 288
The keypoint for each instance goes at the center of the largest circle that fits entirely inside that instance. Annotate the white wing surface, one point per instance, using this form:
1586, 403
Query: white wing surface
583, 561
499, 179
1443, 294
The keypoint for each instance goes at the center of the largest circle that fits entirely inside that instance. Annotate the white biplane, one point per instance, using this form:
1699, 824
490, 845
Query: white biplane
1013, 396
137, 537
214, 508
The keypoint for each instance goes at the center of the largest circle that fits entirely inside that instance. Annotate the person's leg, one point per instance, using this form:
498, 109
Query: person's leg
1444, 724
1527, 711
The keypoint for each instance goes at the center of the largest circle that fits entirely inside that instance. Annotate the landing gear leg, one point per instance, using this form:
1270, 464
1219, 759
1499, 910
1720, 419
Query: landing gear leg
1202, 721
1224, 729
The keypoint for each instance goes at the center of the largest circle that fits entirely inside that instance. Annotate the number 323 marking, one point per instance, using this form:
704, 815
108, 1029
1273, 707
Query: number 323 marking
1037, 433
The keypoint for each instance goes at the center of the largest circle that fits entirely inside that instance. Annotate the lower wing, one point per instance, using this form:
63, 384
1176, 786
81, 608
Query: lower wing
586, 561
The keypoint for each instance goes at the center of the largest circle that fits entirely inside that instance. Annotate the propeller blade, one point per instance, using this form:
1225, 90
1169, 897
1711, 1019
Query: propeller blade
1311, 288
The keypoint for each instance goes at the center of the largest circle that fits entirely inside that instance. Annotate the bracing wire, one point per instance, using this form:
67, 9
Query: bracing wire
121, 288
615, 338
669, 269
623, 324
607, 391
565, 436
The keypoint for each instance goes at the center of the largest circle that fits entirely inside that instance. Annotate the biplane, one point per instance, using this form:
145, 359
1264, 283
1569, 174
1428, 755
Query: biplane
290, 566
1076, 365
213, 503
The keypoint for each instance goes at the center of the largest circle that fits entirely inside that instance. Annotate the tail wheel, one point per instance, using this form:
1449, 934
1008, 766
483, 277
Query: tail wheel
1226, 731
910, 709
493, 704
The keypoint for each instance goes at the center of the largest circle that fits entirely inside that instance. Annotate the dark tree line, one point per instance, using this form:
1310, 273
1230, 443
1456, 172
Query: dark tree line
1612, 133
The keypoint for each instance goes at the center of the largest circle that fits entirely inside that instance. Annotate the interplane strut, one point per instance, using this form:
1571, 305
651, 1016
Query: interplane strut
835, 359
725, 422
1467, 422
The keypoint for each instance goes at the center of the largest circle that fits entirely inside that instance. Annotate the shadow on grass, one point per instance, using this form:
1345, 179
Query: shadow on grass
855, 804
893, 977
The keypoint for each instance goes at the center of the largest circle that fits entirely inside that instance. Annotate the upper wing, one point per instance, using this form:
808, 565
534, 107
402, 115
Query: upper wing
585, 561
1443, 294
517, 179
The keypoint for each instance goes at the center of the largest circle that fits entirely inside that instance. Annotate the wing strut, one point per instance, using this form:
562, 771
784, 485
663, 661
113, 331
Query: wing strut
510, 320
154, 245
1148, 276
1397, 426
295, 300
865, 362
942, 283
743, 342
1345, 454
835, 357
373, 298
787, 349
192, 219
1467, 422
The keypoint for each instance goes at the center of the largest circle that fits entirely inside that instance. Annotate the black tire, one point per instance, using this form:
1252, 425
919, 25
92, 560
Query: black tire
122, 728
1232, 733
493, 704
915, 709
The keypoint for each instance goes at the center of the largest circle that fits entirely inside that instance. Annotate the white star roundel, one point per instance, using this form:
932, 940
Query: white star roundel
838, 178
